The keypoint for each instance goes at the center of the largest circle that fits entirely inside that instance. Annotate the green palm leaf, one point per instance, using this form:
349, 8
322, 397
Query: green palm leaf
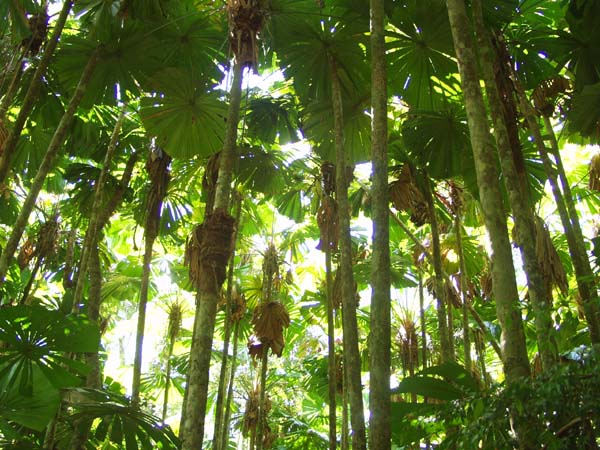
186, 119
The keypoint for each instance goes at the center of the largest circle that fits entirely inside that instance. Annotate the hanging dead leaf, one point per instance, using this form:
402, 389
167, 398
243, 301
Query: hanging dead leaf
328, 178
327, 219
545, 94
238, 307
47, 238
157, 167
208, 250
26, 253
456, 198
38, 25
246, 19
486, 284
552, 269
251, 412
406, 196
268, 320
255, 348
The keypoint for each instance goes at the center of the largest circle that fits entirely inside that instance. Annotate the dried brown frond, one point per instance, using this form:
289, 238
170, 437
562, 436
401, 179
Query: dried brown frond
552, 269
408, 341
486, 285
208, 250
246, 19
457, 202
26, 253
545, 94
327, 219
251, 413
406, 196
157, 167
47, 238
452, 295
238, 308
268, 320
328, 178
175, 311
594, 183
255, 348
38, 25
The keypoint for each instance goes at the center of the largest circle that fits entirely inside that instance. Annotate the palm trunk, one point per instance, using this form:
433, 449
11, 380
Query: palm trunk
349, 323
158, 168
523, 214
463, 290
219, 412
591, 300
95, 226
31, 96
440, 290
515, 361
168, 378
229, 399
581, 263
331, 362
429, 257
262, 415
380, 338
193, 416
45, 166
515, 358
12, 87
422, 319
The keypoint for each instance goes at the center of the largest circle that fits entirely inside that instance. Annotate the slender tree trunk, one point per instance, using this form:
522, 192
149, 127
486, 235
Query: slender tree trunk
523, 214
95, 225
591, 306
345, 406
31, 96
423, 323
12, 89
440, 288
515, 359
516, 363
227, 415
168, 378
429, 257
262, 415
221, 394
463, 290
380, 337
350, 326
581, 263
331, 361
45, 166
158, 168
192, 426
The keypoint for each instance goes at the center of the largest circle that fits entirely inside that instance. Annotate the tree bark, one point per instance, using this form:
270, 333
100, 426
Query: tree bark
193, 416
31, 96
350, 327
45, 166
227, 414
331, 361
515, 360
380, 336
520, 205
440, 288
581, 263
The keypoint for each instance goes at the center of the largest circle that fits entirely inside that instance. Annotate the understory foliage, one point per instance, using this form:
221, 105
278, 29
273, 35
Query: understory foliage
190, 196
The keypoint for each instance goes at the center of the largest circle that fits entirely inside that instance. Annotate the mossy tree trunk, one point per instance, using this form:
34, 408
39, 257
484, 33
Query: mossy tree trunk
352, 361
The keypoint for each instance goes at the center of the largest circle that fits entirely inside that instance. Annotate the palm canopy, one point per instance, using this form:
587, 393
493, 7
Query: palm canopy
169, 62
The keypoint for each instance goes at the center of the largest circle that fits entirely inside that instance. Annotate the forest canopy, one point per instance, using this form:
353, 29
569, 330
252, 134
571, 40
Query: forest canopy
299, 224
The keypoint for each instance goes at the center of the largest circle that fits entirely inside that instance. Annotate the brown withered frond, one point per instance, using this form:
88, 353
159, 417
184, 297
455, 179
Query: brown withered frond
552, 269
327, 219
594, 183
268, 320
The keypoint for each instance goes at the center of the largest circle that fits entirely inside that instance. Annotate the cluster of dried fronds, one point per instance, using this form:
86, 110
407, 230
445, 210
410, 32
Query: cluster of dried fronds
545, 94
268, 320
208, 250
405, 195
327, 219
552, 269
246, 19
157, 167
